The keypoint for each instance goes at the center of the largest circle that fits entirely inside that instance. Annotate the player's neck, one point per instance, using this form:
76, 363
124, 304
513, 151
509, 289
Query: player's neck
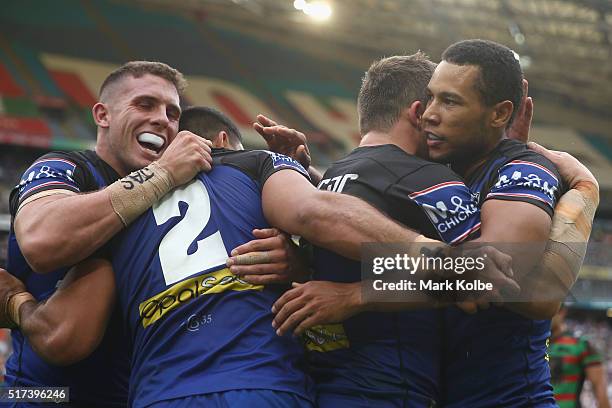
377, 138
104, 153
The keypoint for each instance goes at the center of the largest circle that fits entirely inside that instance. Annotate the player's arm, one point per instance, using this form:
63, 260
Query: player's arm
338, 222
525, 228
596, 374
69, 325
60, 227
560, 259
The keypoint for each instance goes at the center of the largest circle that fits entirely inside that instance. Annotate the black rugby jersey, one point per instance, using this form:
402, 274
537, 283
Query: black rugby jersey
390, 355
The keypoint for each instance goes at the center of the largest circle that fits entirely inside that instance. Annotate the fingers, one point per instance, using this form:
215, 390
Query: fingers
265, 279
285, 313
269, 138
278, 265
206, 155
302, 155
285, 298
549, 154
293, 320
277, 241
266, 233
265, 121
306, 324
256, 257
525, 89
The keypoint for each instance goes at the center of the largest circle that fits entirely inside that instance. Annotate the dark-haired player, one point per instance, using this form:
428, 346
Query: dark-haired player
495, 358
55, 224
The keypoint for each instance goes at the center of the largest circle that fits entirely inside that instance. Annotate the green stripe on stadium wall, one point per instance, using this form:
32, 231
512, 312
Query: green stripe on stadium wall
20, 107
60, 143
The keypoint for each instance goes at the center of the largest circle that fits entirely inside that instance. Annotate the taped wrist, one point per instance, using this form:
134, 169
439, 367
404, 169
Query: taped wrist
139, 190
14, 303
570, 232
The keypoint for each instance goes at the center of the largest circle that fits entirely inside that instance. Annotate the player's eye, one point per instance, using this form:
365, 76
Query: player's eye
173, 114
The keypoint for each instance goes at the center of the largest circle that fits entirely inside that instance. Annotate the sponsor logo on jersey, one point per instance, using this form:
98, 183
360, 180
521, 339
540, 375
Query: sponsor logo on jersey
156, 307
523, 179
48, 172
337, 184
324, 338
452, 209
280, 161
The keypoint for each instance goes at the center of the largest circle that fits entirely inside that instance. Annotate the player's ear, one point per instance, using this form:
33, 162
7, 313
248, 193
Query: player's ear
415, 111
101, 115
500, 116
221, 141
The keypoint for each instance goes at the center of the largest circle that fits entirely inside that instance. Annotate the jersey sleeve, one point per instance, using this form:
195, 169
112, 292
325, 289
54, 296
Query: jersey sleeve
447, 202
532, 179
590, 355
261, 164
53, 171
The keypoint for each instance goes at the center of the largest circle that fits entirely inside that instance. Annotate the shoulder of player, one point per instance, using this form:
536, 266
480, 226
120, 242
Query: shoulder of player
388, 158
257, 163
428, 174
519, 153
71, 158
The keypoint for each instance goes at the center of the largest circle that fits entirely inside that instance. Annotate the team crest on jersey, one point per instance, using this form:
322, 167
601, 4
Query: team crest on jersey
451, 208
46, 173
523, 179
280, 161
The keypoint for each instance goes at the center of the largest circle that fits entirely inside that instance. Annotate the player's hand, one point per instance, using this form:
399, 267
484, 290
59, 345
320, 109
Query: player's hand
271, 258
497, 270
572, 171
313, 303
186, 156
9, 285
284, 140
519, 130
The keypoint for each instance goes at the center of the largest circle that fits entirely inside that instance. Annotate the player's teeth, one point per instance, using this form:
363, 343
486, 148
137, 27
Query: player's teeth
151, 138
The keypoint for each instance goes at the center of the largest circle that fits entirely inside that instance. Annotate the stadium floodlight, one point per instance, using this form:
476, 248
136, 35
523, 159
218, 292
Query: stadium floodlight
318, 10
299, 4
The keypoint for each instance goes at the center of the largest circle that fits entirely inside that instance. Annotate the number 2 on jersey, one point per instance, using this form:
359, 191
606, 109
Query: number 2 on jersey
176, 263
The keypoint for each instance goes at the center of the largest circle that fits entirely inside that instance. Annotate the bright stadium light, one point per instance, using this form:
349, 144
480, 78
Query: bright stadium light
299, 4
318, 10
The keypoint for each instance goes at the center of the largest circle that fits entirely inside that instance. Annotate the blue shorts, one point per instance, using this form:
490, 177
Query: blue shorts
238, 399
333, 400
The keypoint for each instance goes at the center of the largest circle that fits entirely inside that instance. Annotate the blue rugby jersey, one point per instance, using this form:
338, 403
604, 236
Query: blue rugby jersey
497, 358
101, 379
389, 355
195, 328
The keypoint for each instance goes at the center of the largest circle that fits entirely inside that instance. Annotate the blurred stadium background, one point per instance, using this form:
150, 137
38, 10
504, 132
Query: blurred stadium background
300, 62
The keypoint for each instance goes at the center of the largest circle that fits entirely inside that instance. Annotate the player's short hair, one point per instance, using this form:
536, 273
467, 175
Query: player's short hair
138, 69
208, 122
501, 76
389, 86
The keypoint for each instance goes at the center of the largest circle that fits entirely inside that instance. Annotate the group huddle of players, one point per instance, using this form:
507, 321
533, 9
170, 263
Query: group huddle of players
119, 284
